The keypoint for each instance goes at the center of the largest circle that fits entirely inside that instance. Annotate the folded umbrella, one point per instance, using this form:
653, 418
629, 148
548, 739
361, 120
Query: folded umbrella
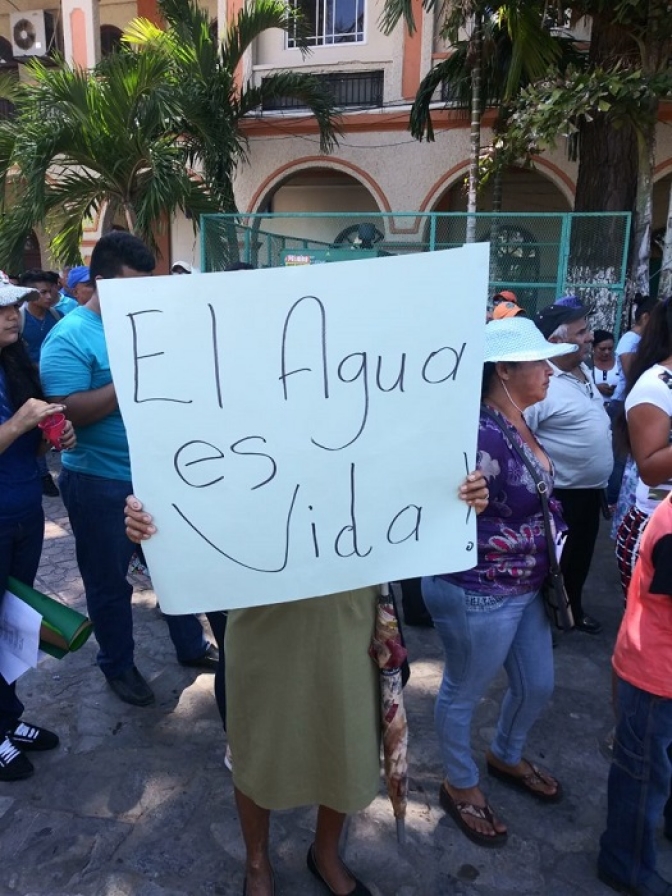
389, 654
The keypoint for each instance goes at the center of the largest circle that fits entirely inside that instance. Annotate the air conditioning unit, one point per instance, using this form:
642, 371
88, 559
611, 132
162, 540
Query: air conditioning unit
31, 32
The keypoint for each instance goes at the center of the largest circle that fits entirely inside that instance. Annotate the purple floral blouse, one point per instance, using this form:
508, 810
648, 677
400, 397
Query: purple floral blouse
512, 551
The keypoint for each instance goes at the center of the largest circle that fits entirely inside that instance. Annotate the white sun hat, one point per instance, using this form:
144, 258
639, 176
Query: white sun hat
518, 339
10, 294
185, 265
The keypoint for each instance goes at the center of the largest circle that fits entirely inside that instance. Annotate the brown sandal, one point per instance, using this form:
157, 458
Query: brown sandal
530, 782
459, 810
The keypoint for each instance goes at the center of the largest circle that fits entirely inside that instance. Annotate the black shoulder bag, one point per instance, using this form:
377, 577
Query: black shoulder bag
553, 590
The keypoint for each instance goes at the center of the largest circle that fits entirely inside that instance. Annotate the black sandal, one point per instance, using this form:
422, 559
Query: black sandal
458, 809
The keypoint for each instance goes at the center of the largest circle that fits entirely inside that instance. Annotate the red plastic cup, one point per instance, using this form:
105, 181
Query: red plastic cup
53, 427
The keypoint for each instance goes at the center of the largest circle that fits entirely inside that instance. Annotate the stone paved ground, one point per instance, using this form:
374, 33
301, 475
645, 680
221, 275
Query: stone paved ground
137, 801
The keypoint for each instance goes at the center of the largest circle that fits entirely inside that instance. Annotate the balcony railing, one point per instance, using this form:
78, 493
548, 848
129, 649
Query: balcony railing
349, 89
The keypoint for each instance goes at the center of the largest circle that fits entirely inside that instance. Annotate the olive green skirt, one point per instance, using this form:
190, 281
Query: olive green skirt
303, 702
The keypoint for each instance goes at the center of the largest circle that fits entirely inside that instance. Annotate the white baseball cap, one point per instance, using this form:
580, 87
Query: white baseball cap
185, 265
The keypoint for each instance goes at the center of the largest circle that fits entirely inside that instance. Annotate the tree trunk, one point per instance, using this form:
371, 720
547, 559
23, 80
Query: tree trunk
608, 160
641, 243
656, 49
475, 139
665, 282
607, 176
131, 218
497, 189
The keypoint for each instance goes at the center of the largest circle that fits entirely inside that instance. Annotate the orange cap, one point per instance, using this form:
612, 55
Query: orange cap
507, 295
506, 309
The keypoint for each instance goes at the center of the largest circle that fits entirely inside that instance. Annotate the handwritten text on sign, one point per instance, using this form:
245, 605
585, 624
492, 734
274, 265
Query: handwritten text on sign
301, 431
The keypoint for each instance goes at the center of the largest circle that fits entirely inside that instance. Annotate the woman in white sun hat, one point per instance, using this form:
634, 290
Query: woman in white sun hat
493, 615
22, 408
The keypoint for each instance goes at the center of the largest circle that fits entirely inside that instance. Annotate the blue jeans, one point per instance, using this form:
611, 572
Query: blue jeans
20, 549
639, 786
480, 634
96, 510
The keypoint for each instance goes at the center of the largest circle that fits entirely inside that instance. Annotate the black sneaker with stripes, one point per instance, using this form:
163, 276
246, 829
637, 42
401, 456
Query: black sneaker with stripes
14, 766
31, 737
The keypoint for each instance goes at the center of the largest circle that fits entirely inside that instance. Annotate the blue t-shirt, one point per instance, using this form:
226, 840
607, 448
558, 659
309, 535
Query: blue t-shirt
74, 359
65, 304
20, 486
35, 331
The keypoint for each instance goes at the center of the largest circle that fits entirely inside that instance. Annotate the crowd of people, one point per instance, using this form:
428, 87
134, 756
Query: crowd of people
572, 428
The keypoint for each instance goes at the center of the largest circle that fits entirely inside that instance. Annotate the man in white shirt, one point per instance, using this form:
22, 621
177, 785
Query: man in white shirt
574, 428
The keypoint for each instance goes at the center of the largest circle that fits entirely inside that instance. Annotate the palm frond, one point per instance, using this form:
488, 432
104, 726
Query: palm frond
396, 10
252, 20
309, 91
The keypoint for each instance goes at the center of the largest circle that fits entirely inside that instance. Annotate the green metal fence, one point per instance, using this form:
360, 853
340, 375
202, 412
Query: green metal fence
539, 256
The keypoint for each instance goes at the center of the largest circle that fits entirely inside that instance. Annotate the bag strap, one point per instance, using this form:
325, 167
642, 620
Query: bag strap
542, 488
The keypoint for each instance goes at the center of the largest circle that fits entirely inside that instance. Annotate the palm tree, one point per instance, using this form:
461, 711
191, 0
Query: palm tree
508, 46
82, 141
212, 102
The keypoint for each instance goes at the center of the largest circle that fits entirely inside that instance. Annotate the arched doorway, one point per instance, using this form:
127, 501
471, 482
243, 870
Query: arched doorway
110, 39
526, 242
32, 254
7, 64
523, 190
315, 190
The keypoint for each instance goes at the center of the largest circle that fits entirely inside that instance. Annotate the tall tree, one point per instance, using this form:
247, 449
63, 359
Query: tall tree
81, 141
507, 46
607, 155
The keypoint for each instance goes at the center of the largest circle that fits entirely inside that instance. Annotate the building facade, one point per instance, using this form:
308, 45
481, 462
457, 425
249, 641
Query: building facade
377, 167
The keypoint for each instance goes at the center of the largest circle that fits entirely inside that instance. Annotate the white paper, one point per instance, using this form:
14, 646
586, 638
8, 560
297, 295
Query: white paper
301, 431
19, 637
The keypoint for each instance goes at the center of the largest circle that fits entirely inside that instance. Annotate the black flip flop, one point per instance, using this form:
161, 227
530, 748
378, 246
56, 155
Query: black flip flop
457, 809
523, 782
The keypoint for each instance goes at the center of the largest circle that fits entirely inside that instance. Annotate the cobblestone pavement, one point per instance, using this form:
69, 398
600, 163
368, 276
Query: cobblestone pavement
138, 802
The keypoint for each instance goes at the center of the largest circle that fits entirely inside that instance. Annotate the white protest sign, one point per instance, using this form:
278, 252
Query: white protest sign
301, 431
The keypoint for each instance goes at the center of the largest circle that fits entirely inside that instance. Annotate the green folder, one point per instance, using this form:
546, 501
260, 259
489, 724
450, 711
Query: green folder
63, 629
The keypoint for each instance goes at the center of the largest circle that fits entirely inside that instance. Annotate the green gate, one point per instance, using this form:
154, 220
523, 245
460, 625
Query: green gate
539, 256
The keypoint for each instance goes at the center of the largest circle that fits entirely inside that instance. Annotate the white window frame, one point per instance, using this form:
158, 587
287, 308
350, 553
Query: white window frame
331, 38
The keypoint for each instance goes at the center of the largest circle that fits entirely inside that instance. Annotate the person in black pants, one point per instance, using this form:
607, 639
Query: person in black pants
574, 429
412, 604
581, 508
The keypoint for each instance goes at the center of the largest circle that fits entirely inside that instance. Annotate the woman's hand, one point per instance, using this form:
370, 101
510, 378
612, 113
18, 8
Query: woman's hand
605, 389
33, 412
68, 438
474, 491
139, 526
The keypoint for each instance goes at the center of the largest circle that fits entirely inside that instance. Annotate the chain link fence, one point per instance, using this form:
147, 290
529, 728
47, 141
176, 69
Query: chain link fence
538, 256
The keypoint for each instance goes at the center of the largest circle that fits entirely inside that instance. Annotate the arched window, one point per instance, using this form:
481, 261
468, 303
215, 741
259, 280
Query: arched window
32, 255
7, 64
110, 39
6, 55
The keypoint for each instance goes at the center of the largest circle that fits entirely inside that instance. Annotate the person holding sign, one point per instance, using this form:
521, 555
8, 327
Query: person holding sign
493, 615
303, 715
22, 410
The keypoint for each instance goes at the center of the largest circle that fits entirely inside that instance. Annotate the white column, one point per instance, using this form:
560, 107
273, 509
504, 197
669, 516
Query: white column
81, 32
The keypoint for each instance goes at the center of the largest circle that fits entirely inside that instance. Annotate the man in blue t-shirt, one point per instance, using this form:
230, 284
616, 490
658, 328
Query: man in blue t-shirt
96, 477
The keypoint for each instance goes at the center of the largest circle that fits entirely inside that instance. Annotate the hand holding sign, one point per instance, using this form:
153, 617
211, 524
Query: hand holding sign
314, 429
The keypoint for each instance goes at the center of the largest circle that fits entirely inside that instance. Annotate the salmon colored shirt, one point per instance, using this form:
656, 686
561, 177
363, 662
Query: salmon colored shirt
643, 653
